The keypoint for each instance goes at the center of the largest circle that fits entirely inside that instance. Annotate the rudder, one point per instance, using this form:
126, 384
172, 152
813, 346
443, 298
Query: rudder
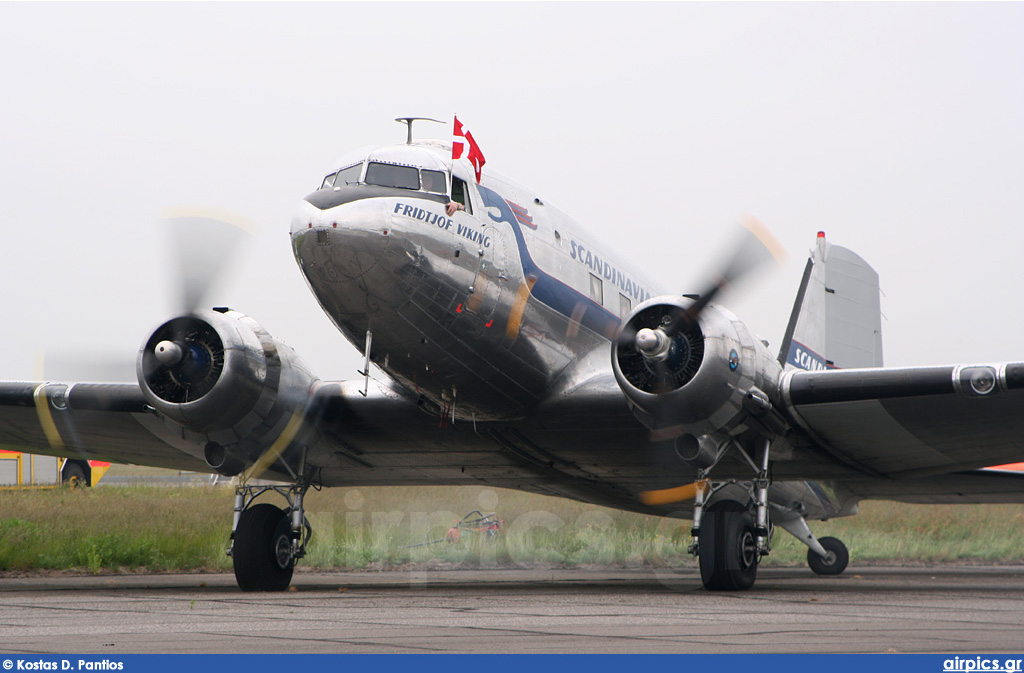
836, 321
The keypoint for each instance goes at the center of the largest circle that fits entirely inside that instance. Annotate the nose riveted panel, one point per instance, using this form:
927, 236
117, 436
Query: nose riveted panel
339, 251
341, 248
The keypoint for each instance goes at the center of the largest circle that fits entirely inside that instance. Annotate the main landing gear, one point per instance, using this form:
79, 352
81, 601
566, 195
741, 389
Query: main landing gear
728, 549
266, 541
732, 533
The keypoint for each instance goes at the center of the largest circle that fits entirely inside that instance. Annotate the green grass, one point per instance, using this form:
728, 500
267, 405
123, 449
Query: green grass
150, 528
114, 529
886, 531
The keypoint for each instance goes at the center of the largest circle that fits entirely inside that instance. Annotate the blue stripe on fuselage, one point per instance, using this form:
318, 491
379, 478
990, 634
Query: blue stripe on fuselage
548, 289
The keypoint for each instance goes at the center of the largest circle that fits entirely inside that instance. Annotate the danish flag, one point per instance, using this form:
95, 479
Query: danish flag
475, 156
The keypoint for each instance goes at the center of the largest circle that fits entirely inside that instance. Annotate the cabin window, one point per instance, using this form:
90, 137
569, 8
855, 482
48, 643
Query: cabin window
433, 181
596, 289
460, 194
389, 175
625, 305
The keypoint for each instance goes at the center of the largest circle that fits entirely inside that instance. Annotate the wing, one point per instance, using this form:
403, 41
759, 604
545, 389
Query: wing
889, 428
95, 421
974, 487
571, 447
912, 422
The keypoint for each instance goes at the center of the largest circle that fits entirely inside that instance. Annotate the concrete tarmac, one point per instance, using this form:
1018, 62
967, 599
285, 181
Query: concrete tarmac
943, 609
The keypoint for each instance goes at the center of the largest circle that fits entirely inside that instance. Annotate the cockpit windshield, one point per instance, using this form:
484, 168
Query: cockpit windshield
390, 175
406, 177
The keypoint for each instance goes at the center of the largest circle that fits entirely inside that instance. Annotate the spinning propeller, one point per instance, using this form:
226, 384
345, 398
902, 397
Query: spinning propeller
192, 357
184, 358
184, 362
661, 346
199, 245
202, 244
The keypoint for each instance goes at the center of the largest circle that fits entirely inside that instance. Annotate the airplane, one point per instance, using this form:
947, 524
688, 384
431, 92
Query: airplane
521, 352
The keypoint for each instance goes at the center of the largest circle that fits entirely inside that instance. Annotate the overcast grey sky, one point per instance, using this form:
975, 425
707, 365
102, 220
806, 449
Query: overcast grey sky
896, 128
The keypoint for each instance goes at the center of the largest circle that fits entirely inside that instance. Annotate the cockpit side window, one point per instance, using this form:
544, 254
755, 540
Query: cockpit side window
346, 176
460, 193
433, 181
390, 175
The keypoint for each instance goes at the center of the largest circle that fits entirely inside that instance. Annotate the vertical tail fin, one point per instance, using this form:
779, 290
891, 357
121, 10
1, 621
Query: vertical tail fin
836, 320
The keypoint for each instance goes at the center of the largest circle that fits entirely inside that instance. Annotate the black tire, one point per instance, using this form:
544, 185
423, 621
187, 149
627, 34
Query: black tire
73, 476
728, 547
834, 566
260, 555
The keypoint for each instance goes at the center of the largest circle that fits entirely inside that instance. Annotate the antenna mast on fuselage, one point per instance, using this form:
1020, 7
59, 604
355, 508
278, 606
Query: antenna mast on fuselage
408, 122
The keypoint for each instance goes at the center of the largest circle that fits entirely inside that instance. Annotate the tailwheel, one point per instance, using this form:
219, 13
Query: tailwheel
262, 549
728, 547
834, 562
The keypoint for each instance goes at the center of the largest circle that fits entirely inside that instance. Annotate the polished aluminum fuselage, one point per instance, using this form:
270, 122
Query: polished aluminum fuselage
501, 315
480, 313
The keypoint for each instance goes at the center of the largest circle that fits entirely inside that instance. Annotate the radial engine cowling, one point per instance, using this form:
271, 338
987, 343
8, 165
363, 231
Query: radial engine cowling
224, 380
697, 383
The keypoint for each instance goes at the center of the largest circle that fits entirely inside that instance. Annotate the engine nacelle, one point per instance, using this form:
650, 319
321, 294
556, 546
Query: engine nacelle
225, 383
697, 384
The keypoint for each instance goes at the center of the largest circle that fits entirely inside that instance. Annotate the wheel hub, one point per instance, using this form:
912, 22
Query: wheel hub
748, 550
283, 550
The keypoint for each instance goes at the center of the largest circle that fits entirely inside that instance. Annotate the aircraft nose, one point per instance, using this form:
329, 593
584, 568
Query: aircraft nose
339, 242
307, 216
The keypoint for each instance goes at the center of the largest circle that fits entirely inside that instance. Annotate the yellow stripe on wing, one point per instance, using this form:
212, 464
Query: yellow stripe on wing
278, 447
46, 417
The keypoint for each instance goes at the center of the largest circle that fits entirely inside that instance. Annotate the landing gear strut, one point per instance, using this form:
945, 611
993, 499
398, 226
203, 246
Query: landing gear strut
266, 541
825, 556
729, 536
